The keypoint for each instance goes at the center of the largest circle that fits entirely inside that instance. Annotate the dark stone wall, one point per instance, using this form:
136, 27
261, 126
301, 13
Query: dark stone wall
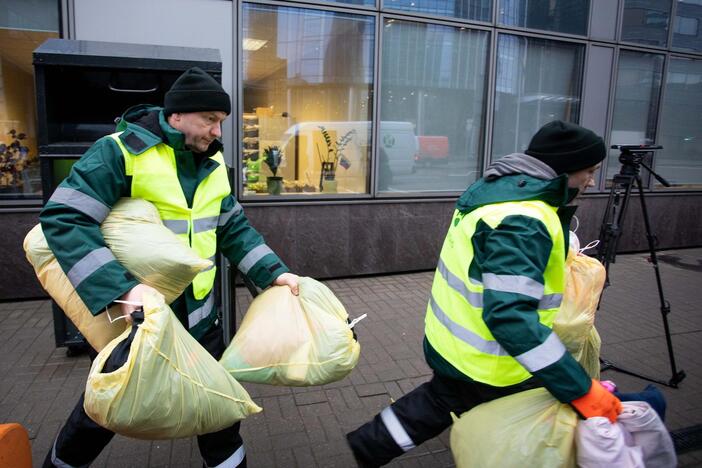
373, 238
342, 240
354, 239
17, 279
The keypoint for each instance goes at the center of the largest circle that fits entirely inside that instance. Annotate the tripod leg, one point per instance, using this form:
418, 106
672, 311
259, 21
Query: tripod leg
677, 376
610, 233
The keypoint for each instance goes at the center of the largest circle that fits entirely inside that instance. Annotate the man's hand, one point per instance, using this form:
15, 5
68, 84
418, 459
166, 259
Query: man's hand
133, 295
290, 280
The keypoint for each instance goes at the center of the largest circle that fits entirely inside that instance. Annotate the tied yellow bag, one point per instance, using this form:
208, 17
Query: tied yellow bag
526, 429
293, 340
96, 329
169, 387
138, 239
155, 256
575, 322
532, 428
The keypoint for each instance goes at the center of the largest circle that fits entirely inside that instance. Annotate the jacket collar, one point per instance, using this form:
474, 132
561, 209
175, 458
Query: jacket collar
145, 126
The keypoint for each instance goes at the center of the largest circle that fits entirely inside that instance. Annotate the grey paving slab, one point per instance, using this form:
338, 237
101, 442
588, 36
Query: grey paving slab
305, 427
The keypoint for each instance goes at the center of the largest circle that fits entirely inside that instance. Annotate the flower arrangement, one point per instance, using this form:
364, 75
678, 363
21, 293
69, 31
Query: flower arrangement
13, 159
335, 150
273, 158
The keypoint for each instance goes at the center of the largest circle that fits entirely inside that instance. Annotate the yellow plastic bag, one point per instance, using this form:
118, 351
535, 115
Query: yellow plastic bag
96, 329
138, 239
532, 428
575, 322
141, 243
526, 429
293, 340
170, 386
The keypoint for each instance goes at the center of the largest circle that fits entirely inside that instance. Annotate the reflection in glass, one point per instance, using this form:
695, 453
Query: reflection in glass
646, 21
23, 27
635, 103
432, 107
354, 2
567, 16
687, 29
680, 160
308, 76
537, 81
477, 10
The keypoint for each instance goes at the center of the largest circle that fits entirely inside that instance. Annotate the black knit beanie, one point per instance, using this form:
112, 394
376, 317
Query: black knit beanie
566, 147
196, 91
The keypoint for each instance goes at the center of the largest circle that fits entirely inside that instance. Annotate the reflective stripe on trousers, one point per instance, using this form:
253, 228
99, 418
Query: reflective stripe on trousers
58, 463
394, 427
233, 461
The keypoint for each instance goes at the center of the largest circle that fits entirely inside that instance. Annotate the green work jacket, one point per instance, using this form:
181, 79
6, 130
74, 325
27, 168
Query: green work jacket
71, 218
499, 284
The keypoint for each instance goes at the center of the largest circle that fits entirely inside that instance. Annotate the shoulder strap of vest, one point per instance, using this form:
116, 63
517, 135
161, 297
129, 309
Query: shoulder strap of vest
135, 143
126, 155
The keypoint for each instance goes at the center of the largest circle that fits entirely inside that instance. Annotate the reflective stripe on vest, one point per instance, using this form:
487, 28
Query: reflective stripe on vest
155, 178
454, 324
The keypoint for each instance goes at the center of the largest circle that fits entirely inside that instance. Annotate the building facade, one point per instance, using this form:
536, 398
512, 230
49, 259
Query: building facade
358, 123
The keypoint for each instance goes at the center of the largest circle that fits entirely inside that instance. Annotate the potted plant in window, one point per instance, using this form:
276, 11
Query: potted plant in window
13, 160
333, 158
273, 157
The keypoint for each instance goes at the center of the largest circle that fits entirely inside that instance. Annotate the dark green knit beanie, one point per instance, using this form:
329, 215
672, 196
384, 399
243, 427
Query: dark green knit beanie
566, 147
196, 91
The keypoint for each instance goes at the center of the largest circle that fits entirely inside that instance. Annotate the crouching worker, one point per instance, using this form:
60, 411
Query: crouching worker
496, 291
171, 157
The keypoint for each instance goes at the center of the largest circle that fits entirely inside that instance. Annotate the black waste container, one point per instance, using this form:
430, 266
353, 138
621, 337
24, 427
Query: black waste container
81, 88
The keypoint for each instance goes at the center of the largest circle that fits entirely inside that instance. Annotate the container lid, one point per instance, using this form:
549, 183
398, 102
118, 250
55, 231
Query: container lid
129, 56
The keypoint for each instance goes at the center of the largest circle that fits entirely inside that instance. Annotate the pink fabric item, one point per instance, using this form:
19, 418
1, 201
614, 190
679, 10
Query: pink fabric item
609, 385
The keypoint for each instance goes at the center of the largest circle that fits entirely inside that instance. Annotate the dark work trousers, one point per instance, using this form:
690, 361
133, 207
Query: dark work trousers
422, 414
81, 440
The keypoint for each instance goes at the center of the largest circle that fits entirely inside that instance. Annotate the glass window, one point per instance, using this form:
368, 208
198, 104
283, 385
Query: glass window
680, 160
432, 107
307, 101
24, 25
538, 81
566, 16
477, 10
686, 31
355, 2
635, 103
646, 21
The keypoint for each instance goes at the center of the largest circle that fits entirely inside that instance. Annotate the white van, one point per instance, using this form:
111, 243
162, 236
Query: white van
397, 142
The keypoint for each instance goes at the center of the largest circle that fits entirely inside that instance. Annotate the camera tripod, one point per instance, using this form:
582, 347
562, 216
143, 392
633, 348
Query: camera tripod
631, 157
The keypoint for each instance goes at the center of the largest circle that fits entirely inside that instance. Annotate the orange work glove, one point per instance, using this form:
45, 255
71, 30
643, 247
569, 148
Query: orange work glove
598, 402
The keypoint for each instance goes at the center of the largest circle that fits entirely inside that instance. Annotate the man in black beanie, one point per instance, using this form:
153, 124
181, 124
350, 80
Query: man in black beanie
171, 157
496, 291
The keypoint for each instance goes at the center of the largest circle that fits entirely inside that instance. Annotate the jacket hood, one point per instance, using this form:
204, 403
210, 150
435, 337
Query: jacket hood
517, 177
518, 163
145, 125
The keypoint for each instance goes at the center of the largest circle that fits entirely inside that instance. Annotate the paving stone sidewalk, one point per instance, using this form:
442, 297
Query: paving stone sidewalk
305, 427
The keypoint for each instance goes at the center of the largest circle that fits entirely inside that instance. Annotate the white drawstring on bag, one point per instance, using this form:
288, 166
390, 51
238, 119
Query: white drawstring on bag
113, 320
356, 320
574, 241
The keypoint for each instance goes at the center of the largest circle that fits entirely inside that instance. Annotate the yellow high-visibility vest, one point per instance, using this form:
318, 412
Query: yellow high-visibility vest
454, 323
155, 179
